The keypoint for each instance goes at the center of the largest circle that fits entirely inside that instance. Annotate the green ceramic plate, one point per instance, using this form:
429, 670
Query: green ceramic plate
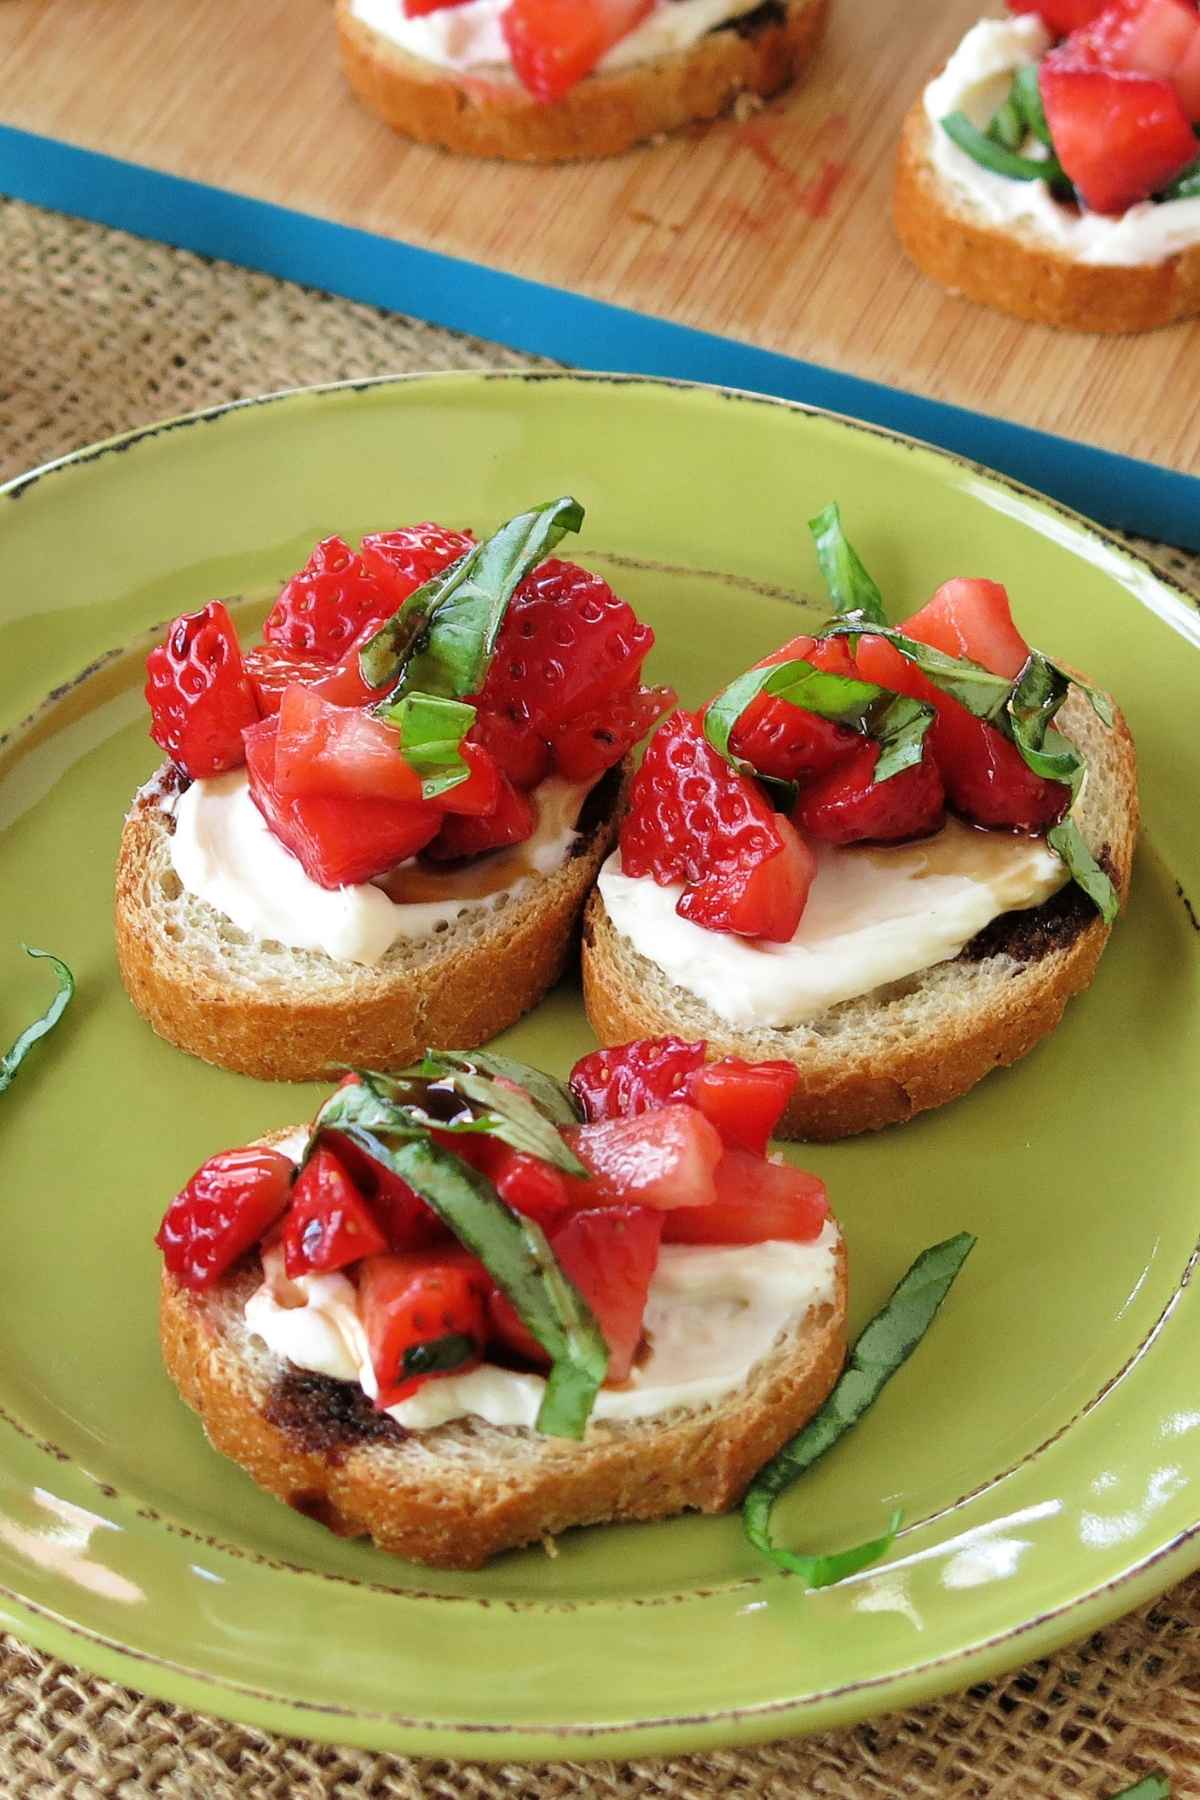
1045, 1442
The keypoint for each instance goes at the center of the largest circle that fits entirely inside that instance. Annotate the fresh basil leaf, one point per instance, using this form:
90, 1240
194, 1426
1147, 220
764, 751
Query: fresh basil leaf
1007, 125
438, 1356
898, 724
991, 155
1099, 701
450, 654
837, 697
1186, 186
12, 1060
1035, 699
1151, 1787
507, 1115
383, 655
982, 693
850, 587
1066, 841
554, 1097
1026, 96
885, 1345
431, 733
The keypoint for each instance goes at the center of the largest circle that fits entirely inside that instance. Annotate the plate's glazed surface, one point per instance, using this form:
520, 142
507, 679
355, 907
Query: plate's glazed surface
1045, 1442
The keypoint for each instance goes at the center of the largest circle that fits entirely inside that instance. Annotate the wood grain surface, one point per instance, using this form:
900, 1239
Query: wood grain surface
775, 230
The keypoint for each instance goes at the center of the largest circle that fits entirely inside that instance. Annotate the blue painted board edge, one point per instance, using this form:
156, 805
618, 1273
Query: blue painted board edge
1120, 491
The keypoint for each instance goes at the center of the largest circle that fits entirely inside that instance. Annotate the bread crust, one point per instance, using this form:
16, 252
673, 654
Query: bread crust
601, 116
1018, 275
455, 1496
460, 993
900, 1060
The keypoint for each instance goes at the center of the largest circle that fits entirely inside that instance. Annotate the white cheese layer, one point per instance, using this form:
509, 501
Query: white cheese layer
874, 915
711, 1315
975, 81
223, 852
468, 38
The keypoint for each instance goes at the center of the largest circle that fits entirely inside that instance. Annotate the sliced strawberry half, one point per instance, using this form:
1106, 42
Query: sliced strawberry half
338, 842
632, 1078
848, 806
587, 745
406, 559
1146, 37
333, 602
744, 1100
786, 741
519, 752
403, 1217
661, 1158
328, 1224
757, 1202
223, 1211
1120, 136
764, 902
555, 43
199, 695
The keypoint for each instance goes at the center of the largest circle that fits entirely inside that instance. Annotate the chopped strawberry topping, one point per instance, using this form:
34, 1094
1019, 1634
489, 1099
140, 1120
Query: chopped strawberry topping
425, 1315
405, 560
555, 43
786, 741
331, 604
223, 1212
272, 670
632, 1078
757, 1202
525, 1183
848, 805
587, 745
338, 842
325, 749
1060, 16
661, 1158
328, 1224
403, 1217
200, 698
518, 751
1119, 136
1146, 37
511, 822
744, 1100
972, 618
693, 819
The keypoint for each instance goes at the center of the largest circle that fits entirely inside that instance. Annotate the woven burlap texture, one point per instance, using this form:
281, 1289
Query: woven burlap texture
103, 332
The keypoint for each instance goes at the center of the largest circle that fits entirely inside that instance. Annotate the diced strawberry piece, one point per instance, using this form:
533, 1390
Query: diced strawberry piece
1119, 136
200, 698
404, 1218
518, 751
1148, 37
524, 1182
632, 1078
661, 1158
971, 618
555, 43
587, 745
338, 842
330, 604
848, 805
694, 819
223, 1212
1060, 16
764, 902
744, 1100
987, 779
328, 1224
325, 749
272, 669
511, 822
343, 684
788, 742
567, 643
610, 1255
757, 1202
405, 560
425, 1315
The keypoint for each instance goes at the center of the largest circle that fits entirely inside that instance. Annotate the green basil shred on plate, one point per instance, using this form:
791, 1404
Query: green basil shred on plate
883, 1347
12, 1060
1151, 1787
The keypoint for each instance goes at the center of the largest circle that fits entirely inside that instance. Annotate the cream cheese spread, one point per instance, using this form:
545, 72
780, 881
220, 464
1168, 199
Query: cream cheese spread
712, 1313
468, 38
874, 915
223, 852
975, 81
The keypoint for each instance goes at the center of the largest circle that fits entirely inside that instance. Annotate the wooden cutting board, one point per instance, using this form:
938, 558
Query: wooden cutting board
774, 232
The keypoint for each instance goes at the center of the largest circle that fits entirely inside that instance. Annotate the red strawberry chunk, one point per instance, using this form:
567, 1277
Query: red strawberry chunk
1119, 136
510, 822
404, 1218
632, 1078
587, 745
610, 1255
1147, 37
972, 618
405, 560
848, 805
330, 605
694, 819
328, 1224
272, 670
419, 1310
757, 1202
200, 698
555, 43
788, 742
744, 1100
987, 779
325, 749
338, 842
567, 643
518, 751
661, 1158
524, 1182
1060, 16
223, 1211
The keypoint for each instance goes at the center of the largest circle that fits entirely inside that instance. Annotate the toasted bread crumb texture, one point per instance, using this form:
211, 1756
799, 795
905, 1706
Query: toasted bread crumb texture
1018, 275
602, 115
893, 1053
279, 1014
456, 1496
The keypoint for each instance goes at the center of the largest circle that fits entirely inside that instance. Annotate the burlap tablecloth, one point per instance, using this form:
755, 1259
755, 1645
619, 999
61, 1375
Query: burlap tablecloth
102, 332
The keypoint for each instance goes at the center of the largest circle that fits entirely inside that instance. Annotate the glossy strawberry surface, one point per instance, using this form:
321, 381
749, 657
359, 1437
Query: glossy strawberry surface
223, 1211
330, 604
328, 1224
199, 696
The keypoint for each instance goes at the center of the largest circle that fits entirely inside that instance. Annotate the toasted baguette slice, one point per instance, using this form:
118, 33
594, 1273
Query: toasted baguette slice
603, 114
893, 1053
1016, 273
262, 1009
455, 1496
